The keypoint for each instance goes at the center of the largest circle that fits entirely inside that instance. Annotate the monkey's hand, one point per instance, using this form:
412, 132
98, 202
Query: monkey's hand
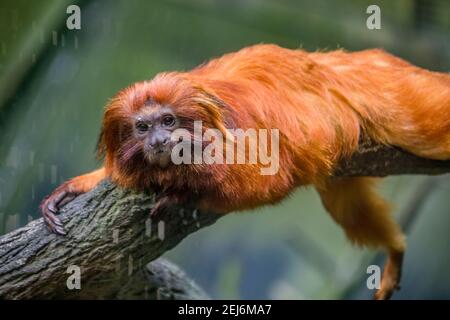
66, 193
185, 203
161, 207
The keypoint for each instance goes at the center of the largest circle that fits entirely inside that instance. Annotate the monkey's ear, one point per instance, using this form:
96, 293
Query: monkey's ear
217, 109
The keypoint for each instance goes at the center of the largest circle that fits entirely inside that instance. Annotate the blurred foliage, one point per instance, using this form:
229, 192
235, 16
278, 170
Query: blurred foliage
54, 83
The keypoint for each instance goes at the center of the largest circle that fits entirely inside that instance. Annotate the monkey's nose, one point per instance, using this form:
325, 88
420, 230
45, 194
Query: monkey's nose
157, 143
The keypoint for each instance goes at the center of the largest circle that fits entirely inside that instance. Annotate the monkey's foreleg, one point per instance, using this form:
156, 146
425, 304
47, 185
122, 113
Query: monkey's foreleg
66, 193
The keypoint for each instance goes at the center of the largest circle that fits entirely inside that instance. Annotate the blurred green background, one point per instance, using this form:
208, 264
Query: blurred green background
54, 83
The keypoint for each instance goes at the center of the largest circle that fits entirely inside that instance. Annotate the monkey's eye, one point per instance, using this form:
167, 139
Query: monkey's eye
141, 126
168, 121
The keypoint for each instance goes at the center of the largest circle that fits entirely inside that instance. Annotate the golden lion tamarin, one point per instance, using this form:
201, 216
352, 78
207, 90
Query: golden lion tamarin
321, 103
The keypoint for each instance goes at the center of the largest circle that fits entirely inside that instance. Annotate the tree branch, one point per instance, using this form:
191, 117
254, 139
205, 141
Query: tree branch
376, 160
160, 280
111, 238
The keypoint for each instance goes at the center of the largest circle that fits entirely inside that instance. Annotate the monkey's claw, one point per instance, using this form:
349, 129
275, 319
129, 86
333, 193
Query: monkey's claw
391, 276
160, 208
50, 207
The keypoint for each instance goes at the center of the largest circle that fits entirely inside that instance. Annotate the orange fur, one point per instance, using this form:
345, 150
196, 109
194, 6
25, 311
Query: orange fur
85, 182
321, 103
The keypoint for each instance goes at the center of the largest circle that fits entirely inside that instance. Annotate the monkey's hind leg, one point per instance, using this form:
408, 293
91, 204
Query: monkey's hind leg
366, 220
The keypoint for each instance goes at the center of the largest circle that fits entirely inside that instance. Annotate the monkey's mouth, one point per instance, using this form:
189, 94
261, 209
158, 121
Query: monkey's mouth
159, 157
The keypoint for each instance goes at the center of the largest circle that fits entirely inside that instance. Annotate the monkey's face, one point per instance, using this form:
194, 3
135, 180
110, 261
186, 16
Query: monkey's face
139, 124
153, 127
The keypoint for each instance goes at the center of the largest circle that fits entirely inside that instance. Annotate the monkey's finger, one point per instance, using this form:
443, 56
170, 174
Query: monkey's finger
153, 212
59, 201
69, 197
157, 211
58, 229
56, 199
56, 202
52, 207
49, 215
50, 225
53, 223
